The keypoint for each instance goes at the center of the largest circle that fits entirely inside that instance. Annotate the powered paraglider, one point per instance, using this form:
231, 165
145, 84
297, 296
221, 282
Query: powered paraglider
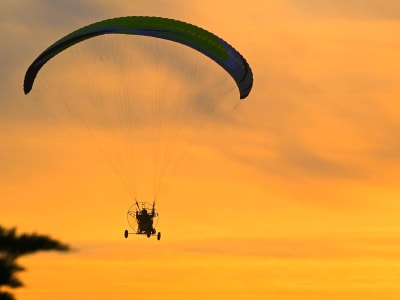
132, 79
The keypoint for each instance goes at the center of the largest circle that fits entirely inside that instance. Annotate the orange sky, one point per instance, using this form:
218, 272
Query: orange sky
295, 199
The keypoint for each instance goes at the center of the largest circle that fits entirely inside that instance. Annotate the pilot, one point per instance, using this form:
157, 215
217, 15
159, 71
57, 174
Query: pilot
145, 220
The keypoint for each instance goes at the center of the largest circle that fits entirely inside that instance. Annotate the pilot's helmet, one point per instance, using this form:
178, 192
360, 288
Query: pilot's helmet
144, 211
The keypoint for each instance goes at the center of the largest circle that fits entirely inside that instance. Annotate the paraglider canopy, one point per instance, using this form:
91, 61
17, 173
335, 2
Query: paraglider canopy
184, 33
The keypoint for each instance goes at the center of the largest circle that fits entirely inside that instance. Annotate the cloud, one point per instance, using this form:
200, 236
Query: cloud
323, 101
41, 18
329, 246
356, 9
317, 106
316, 247
26, 27
315, 164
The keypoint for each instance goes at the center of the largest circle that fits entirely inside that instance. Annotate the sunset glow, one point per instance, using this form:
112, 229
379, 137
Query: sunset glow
290, 194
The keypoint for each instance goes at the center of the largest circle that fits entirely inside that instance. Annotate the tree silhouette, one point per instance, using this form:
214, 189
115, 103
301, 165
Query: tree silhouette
13, 246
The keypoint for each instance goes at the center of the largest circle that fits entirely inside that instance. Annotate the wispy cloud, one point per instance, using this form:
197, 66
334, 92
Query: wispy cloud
331, 246
357, 9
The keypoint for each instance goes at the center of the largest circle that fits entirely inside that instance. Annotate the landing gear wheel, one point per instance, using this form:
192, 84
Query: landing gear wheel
126, 233
158, 236
148, 234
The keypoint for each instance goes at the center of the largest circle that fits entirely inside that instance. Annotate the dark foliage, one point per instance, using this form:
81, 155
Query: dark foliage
13, 246
6, 296
18, 245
